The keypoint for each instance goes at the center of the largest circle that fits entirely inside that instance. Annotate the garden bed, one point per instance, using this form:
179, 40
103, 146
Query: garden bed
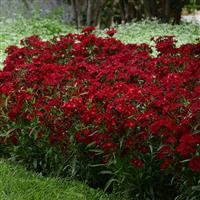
121, 117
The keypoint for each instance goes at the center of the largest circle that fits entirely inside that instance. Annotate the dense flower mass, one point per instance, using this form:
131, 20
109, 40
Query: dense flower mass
114, 97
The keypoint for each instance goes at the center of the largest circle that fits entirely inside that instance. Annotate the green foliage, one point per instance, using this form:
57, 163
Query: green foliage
189, 187
142, 32
18, 184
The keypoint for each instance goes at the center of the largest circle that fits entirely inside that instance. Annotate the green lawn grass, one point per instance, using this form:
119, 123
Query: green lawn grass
18, 184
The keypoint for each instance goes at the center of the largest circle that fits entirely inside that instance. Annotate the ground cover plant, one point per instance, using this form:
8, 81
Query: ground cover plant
19, 184
105, 112
11, 31
143, 31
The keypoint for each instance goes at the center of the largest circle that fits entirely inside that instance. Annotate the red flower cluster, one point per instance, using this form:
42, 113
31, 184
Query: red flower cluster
111, 32
101, 91
194, 163
88, 29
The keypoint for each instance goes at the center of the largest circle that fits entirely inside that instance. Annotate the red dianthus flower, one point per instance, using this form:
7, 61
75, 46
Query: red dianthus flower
194, 164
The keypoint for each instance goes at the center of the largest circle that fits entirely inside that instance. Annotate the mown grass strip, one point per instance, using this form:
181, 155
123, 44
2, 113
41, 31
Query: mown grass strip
18, 184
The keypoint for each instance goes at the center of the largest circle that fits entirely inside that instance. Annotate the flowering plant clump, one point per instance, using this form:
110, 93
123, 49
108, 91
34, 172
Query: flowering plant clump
111, 32
103, 110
